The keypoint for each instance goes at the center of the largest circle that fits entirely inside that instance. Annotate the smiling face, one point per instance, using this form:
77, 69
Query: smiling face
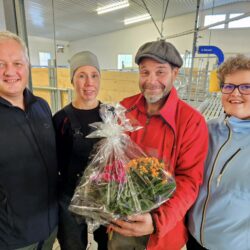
86, 81
156, 80
236, 104
14, 70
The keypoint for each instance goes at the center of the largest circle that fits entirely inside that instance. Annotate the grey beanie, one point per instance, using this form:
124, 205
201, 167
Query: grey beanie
83, 58
161, 51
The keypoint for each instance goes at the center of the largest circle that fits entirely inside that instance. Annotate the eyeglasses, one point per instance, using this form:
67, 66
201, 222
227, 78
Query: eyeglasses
228, 88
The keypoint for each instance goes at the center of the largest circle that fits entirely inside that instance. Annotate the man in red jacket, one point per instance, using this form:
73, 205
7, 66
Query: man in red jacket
172, 131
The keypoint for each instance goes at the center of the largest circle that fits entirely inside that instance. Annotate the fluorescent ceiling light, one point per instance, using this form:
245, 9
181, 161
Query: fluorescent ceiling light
137, 19
112, 7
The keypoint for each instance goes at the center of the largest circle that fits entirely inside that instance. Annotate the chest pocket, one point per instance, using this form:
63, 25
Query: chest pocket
157, 139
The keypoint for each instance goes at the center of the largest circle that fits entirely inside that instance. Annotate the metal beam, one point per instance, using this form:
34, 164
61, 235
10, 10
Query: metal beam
193, 49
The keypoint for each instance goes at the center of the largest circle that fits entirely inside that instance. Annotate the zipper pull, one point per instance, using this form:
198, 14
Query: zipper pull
218, 180
226, 119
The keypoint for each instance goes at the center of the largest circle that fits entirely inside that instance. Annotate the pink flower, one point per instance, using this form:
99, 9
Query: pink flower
114, 172
106, 177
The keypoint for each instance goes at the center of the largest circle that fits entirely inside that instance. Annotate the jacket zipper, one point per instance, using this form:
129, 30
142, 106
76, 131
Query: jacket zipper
146, 126
225, 166
209, 184
43, 160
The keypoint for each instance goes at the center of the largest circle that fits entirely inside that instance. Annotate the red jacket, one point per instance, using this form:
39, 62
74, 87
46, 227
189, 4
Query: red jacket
179, 136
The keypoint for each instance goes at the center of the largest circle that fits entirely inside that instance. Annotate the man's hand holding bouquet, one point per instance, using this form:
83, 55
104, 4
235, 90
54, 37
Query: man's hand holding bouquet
121, 180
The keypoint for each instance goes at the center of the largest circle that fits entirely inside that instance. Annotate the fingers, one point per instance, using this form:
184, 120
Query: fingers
123, 224
109, 229
126, 229
138, 217
138, 225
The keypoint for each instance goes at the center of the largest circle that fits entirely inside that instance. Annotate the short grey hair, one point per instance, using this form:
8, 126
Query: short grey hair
7, 35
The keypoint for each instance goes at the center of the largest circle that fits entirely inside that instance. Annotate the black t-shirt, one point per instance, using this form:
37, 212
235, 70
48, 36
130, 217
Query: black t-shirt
73, 158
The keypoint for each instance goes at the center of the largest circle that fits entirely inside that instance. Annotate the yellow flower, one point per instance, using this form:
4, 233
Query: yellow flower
146, 165
143, 169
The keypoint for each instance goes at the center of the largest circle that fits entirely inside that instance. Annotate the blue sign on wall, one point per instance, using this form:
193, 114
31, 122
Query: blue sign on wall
212, 50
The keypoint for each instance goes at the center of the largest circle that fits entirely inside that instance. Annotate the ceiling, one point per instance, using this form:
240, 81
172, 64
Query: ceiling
71, 20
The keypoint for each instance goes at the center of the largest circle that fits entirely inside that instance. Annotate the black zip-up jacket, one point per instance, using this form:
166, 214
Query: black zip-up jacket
28, 173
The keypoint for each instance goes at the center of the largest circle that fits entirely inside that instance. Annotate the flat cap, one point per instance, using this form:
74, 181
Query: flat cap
83, 58
161, 51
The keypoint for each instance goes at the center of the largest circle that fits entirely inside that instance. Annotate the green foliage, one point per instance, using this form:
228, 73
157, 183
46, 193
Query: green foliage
137, 195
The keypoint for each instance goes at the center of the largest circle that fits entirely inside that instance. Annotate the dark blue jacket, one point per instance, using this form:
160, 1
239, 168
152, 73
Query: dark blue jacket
28, 173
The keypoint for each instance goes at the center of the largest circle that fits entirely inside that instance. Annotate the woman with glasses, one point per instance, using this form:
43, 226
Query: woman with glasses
220, 218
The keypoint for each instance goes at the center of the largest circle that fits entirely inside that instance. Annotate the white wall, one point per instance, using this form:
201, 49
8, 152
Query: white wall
230, 41
2, 17
108, 46
39, 44
127, 41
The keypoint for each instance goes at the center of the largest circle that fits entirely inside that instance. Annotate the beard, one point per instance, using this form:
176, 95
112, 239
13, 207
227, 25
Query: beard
155, 98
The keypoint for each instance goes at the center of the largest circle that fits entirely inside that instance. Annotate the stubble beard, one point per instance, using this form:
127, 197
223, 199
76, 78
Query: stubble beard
153, 99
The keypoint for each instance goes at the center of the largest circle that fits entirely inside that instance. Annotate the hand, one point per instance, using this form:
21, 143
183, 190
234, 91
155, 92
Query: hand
138, 225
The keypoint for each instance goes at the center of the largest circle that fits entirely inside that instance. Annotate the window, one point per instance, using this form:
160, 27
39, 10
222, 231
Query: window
124, 61
44, 58
241, 23
187, 59
211, 19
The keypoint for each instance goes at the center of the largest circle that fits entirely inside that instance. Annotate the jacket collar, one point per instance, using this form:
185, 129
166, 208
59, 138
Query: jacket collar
237, 125
167, 112
29, 98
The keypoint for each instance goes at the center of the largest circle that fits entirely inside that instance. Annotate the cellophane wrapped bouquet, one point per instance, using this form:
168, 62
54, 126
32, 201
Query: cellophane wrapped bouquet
120, 179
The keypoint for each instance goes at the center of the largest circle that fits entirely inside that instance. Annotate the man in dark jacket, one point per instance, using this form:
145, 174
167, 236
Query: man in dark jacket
28, 166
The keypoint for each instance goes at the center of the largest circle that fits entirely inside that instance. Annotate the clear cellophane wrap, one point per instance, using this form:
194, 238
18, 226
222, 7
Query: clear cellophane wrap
120, 179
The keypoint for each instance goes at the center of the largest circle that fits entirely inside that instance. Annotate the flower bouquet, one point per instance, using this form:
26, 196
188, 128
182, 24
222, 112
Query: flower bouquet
121, 179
